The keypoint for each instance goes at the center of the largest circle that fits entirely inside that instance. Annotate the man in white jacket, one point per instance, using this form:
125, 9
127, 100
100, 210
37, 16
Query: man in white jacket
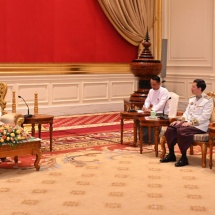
157, 98
157, 101
195, 120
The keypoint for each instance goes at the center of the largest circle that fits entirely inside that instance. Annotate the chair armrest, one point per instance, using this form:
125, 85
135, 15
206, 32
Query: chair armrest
172, 119
12, 118
212, 125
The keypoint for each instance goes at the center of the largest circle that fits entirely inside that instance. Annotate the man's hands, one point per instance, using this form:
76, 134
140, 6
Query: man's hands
147, 110
175, 123
185, 124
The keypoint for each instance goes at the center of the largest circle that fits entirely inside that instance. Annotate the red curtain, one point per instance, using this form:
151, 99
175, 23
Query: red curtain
59, 31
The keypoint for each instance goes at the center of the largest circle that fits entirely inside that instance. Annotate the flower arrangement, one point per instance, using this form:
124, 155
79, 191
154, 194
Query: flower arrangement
12, 134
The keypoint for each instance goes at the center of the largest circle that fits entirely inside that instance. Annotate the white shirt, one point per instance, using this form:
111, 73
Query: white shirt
199, 111
158, 99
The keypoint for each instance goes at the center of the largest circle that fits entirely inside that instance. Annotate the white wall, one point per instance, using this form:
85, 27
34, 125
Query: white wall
70, 94
189, 27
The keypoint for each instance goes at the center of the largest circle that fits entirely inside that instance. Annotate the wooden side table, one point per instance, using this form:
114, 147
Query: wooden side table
40, 119
155, 123
134, 116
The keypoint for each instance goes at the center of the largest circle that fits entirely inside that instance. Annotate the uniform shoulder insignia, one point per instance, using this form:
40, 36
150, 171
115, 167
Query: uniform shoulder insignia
207, 97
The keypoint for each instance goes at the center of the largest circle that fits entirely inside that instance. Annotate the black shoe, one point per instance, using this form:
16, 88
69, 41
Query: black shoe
182, 162
168, 158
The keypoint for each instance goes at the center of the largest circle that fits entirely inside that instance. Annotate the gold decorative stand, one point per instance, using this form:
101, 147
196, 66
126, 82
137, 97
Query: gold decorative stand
35, 103
144, 68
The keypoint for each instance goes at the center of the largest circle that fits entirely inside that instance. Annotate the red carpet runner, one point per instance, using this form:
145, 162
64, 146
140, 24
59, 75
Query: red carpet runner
83, 131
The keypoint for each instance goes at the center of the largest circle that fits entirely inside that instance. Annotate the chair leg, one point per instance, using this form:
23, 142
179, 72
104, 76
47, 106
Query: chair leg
163, 148
122, 128
191, 150
135, 132
16, 159
149, 135
141, 139
211, 152
204, 152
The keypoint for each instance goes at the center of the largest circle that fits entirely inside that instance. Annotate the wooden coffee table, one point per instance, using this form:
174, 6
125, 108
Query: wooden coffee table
32, 147
134, 116
155, 123
40, 119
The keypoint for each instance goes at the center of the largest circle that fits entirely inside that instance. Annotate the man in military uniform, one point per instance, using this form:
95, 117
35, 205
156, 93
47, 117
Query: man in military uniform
195, 120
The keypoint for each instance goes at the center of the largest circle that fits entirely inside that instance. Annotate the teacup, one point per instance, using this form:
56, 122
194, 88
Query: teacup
153, 114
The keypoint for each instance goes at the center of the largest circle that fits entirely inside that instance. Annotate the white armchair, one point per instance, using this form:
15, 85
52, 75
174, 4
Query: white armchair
9, 118
173, 103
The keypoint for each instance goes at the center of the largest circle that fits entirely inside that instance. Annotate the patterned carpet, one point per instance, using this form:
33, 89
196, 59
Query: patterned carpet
110, 180
83, 131
92, 173
72, 133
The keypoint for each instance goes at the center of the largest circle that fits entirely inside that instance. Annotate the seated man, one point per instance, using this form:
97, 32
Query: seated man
156, 101
195, 120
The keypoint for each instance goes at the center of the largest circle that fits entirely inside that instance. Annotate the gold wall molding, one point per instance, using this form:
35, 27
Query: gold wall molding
63, 69
158, 29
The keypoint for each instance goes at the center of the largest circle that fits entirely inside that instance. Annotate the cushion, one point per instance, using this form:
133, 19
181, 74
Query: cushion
201, 137
197, 137
7, 118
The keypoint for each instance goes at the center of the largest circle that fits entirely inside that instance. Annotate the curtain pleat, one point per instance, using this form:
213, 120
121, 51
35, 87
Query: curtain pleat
131, 18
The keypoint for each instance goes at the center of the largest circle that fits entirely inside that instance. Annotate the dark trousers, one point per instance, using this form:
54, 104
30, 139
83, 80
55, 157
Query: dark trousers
146, 135
181, 135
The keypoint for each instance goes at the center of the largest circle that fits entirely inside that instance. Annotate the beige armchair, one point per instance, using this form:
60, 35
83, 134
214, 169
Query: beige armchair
9, 118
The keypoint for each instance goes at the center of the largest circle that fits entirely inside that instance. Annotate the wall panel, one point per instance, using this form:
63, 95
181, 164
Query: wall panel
66, 92
121, 89
177, 86
41, 89
190, 33
95, 91
71, 94
189, 28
